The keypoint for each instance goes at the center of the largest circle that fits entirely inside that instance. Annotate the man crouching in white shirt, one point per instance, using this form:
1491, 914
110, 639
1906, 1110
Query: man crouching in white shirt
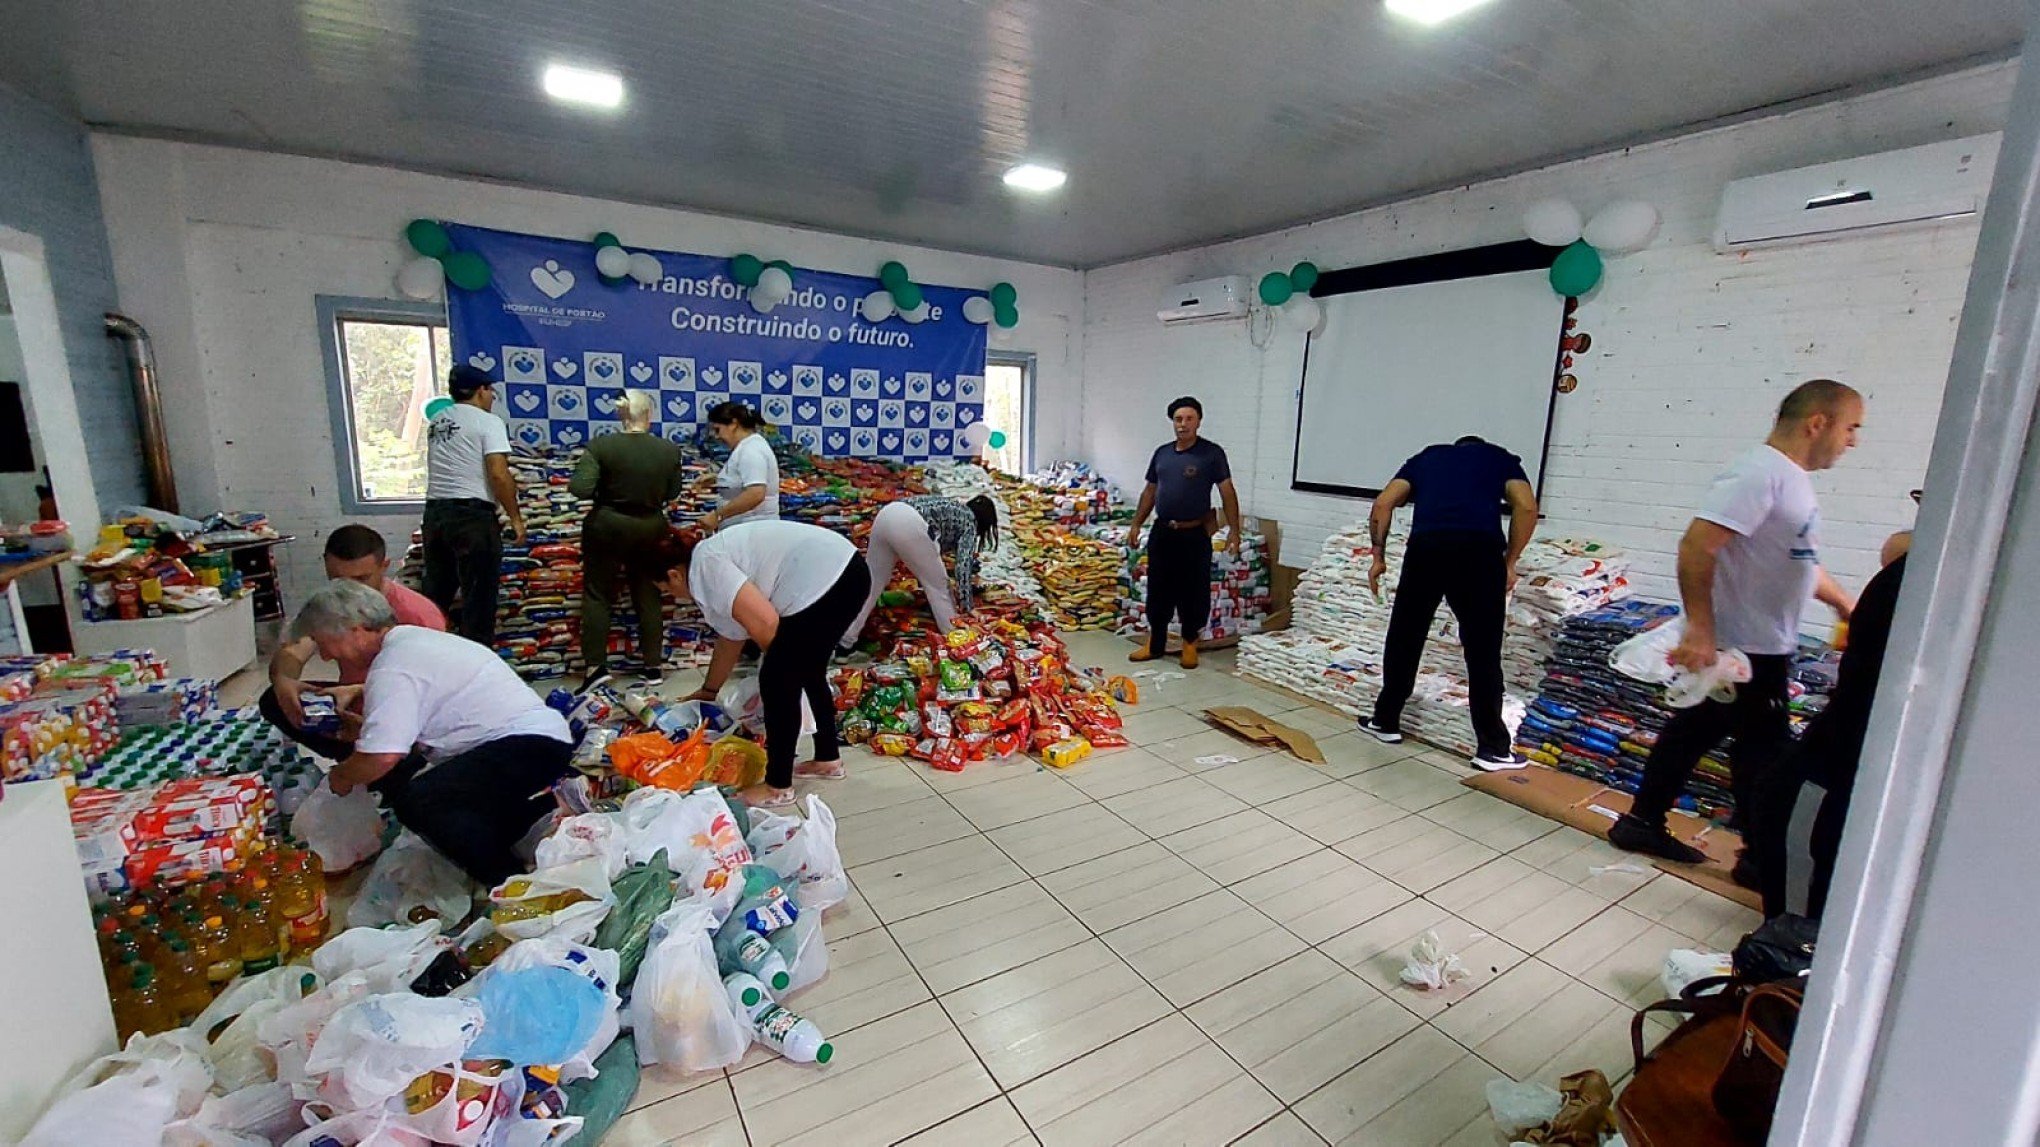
457, 746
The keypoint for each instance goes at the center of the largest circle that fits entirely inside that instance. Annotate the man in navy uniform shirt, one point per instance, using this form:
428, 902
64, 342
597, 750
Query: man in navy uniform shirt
1456, 555
1180, 478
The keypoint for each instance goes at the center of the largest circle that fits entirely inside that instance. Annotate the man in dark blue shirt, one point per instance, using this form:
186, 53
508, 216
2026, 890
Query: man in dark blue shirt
1456, 555
1180, 478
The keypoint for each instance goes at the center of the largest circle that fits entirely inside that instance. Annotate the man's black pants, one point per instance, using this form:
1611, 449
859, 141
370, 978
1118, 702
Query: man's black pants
464, 556
474, 807
1469, 573
1178, 583
1757, 720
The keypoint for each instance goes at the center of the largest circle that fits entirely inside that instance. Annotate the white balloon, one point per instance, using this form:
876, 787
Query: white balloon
613, 262
978, 309
421, 278
877, 307
646, 269
760, 301
1000, 336
1622, 227
1552, 222
775, 282
1303, 313
976, 436
918, 314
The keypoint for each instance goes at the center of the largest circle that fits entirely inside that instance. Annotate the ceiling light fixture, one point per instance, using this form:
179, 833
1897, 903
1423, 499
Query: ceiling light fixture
1034, 177
572, 85
1429, 12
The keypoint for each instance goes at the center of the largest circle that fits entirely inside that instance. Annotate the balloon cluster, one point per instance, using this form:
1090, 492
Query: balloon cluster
438, 263
898, 294
977, 436
771, 283
615, 264
1620, 228
1289, 292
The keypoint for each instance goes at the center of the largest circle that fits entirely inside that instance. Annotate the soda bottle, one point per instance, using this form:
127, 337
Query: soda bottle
185, 993
214, 946
256, 937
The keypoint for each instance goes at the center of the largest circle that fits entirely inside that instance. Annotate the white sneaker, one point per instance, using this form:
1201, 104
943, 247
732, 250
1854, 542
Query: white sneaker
1500, 763
1385, 736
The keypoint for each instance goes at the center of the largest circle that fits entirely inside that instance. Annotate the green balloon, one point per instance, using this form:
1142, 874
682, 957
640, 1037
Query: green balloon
997, 440
745, 269
428, 238
1006, 317
1003, 295
1303, 276
467, 270
893, 274
907, 296
782, 265
438, 406
606, 239
1576, 269
1275, 288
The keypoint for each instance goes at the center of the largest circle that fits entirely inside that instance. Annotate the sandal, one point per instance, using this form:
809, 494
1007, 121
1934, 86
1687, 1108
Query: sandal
771, 798
815, 770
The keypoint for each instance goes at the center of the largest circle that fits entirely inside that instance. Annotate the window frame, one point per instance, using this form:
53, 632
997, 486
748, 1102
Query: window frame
332, 311
1025, 360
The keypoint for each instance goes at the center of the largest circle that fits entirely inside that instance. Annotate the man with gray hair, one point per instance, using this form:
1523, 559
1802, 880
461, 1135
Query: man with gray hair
457, 746
629, 477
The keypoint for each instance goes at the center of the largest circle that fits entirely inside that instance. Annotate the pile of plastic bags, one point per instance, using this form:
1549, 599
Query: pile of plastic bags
671, 928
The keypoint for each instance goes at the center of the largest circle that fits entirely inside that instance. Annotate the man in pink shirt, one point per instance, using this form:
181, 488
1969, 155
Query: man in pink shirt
357, 554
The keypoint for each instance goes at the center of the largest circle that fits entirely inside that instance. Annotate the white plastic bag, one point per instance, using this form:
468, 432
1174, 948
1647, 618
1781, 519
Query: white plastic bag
254, 1116
1430, 966
595, 834
808, 855
600, 965
745, 703
1647, 658
373, 1048
390, 957
344, 831
1684, 965
373, 1127
409, 883
235, 1017
129, 1096
809, 960
678, 1009
471, 1106
1518, 1107
576, 922
703, 846
289, 1033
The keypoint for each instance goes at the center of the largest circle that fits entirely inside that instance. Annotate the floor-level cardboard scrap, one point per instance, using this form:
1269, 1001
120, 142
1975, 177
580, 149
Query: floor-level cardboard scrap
1590, 807
1264, 730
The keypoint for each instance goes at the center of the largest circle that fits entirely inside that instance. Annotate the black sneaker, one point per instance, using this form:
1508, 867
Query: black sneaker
1500, 762
594, 682
1385, 736
653, 675
1632, 835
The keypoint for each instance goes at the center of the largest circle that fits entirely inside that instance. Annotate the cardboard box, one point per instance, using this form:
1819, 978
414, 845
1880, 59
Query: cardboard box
1263, 730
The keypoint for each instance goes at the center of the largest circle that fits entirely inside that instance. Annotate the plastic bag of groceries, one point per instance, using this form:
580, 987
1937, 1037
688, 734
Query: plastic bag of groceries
742, 700
804, 851
372, 1049
233, 1023
389, 957
596, 834
568, 901
253, 1116
700, 837
344, 831
1647, 658
411, 883
130, 1096
679, 1012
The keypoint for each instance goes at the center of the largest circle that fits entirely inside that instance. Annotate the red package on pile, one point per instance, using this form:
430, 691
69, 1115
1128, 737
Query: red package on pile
180, 861
199, 806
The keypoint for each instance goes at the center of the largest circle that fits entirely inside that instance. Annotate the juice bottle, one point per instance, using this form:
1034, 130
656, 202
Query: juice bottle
185, 993
255, 934
217, 953
302, 903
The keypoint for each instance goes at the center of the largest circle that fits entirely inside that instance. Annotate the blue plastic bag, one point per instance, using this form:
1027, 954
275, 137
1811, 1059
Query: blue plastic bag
536, 1015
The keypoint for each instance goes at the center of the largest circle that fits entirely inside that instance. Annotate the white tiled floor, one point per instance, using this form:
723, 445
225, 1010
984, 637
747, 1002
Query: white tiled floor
1146, 949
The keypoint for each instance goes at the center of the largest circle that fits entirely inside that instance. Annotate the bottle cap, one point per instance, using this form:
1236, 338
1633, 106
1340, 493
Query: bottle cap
825, 1053
215, 921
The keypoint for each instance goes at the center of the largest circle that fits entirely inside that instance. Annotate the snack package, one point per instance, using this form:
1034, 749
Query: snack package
1062, 754
892, 744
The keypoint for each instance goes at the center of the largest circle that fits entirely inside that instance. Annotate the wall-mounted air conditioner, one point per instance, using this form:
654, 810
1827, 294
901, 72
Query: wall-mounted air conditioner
1830, 200
1205, 300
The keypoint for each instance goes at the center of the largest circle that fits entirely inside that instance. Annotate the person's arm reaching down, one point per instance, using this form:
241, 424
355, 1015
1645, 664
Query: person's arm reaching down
1230, 499
1830, 593
1699, 549
721, 663
504, 487
361, 769
1391, 497
1522, 522
286, 676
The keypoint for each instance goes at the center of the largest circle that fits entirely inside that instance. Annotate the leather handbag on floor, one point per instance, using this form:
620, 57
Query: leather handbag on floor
1780, 949
1746, 1090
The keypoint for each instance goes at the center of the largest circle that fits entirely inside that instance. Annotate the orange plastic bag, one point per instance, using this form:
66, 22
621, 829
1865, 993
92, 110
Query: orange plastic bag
651, 759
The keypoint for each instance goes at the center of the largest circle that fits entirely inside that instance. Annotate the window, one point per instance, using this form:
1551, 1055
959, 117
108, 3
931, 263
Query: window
1009, 408
384, 362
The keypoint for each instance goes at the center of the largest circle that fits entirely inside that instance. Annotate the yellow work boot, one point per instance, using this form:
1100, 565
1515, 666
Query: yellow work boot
1189, 655
1144, 653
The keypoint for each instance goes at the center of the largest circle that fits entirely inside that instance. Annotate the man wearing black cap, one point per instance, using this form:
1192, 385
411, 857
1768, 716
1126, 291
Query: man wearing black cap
1180, 479
467, 462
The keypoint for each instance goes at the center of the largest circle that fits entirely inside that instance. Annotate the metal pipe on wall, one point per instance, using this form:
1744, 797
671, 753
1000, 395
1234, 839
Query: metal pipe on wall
141, 359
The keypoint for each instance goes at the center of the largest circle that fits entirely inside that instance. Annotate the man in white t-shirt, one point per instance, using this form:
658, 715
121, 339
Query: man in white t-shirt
1747, 564
467, 475
457, 746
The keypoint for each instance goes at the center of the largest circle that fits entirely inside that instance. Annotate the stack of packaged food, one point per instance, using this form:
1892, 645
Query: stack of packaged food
172, 701
169, 833
66, 718
140, 568
1003, 565
1241, 588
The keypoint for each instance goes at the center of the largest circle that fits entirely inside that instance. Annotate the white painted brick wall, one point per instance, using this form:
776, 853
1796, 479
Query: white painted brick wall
1691, 349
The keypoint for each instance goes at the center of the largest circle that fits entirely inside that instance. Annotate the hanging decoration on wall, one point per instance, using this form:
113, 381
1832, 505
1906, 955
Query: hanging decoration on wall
1289, 293
616, 264
1623, 227
770, 284
438, 263
997, 441
421, 278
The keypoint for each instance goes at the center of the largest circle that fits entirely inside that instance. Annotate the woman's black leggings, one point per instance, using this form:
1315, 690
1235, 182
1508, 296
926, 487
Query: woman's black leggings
798, 663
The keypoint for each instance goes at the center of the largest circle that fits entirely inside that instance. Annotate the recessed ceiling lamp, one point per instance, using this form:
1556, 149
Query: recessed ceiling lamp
571, 85
1034, 177
1429, 12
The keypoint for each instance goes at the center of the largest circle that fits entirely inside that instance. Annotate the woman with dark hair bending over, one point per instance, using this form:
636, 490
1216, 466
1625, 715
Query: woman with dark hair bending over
747, 489
919, 531
793, 589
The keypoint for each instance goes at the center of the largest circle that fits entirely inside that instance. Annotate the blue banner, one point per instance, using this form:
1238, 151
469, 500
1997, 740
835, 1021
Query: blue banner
566, 344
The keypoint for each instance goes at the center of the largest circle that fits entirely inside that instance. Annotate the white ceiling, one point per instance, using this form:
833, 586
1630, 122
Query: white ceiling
1179, 121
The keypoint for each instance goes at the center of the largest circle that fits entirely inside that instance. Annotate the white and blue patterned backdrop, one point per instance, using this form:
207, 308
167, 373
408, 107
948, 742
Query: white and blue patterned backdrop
565, 345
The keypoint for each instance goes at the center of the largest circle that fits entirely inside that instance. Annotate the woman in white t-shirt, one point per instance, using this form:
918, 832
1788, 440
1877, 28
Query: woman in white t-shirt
747, 489
793, 589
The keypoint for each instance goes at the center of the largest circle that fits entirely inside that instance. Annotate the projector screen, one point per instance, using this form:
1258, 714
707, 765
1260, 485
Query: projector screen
1402, 364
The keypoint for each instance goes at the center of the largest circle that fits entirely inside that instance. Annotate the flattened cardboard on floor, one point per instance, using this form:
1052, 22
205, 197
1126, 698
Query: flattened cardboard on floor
1263, 730
1589, 807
